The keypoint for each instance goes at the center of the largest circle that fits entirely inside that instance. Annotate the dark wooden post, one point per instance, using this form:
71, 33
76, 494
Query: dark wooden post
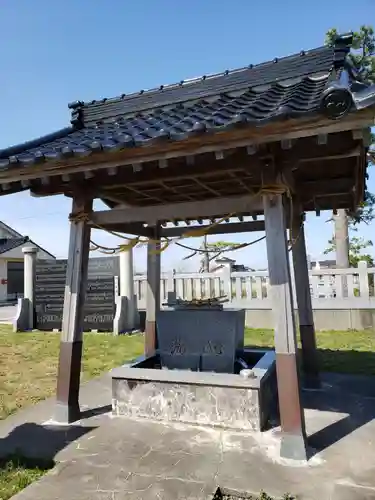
153, 292
69, 371
293, 443
305, 312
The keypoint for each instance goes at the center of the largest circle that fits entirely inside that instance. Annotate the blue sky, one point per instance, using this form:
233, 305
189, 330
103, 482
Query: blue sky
53, 53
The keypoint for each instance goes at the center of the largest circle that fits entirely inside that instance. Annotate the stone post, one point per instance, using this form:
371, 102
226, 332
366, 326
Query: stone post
364, 288
153, 292
127, 289
227, 282
30, 254
171, 292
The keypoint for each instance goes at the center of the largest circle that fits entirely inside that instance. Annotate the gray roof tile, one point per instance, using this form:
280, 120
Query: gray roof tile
296, 86
7, 244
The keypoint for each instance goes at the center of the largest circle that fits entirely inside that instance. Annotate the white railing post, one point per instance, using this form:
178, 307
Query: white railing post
227, 282
171, 293
364, 290
250, 287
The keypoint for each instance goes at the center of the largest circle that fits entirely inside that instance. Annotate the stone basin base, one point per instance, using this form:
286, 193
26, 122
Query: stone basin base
143, 390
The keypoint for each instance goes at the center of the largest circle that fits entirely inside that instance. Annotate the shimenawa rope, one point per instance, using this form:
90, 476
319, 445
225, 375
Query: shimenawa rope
81, 216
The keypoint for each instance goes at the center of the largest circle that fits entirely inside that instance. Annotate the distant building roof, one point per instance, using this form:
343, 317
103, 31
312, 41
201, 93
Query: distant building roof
12, 232
8, 244
328, 263
224, 259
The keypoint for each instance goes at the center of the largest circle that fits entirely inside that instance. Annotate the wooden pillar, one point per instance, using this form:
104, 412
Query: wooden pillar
293, 441
153, 292
305, 312
69, 371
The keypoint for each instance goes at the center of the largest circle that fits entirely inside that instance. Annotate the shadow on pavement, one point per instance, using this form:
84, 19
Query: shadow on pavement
350, 400
39, 442
94, 412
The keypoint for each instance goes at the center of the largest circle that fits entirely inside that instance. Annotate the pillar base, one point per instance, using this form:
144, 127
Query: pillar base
150, 338
67, 414
310, 363
293, 437
68, 382
293, 446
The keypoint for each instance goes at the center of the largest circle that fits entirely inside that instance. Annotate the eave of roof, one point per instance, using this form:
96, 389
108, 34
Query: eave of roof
298, 86
8, 244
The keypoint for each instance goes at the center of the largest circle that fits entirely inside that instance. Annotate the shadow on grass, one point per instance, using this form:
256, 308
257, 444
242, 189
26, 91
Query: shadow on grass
29, 451
347, 361
18, 461
17, 472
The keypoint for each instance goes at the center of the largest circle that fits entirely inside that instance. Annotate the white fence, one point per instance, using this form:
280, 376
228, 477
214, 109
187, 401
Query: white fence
351, 288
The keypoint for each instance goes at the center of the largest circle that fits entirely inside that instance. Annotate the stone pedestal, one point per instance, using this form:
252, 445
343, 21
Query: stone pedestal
200, 339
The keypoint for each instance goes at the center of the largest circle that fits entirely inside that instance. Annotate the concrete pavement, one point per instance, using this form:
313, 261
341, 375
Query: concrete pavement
105, 458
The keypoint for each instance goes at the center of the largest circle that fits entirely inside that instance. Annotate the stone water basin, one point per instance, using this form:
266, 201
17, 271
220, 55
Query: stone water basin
144, 389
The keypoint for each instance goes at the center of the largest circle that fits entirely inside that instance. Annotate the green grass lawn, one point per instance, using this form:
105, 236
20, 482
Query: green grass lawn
343, 352
29, 360
28, 363
18, 472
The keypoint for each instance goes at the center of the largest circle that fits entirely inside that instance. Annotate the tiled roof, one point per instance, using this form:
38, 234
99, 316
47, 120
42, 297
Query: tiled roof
7, 244
307, 83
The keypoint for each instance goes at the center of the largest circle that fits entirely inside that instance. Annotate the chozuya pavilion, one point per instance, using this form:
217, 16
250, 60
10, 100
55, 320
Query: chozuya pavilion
279, 138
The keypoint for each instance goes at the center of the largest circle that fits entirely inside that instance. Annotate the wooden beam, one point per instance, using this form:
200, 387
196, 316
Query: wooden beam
250, 136
364, 135
339, 156
230, 228
322, 139
324, 187
205, 170
293, 440
112, 170
286, 144
69, 371
134, 229
305, 312
192, 209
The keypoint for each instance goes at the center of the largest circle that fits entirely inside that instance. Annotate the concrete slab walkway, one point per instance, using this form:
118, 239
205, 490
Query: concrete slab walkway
105, 458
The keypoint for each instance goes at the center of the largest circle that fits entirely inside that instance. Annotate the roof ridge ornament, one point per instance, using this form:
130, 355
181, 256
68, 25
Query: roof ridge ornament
344, 40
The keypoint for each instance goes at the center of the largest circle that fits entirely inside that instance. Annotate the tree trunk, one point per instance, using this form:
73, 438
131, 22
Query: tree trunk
341, 239
206, 256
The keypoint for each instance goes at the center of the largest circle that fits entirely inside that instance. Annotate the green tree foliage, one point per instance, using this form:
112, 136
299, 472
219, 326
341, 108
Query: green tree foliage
362, 55
362, 58
356, 247
212, 251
